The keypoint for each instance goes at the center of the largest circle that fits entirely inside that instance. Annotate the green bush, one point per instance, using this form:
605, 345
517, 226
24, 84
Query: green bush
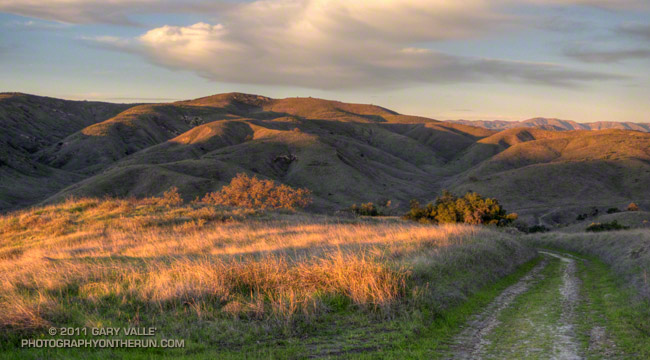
368, 209
612, 210
472, 208
611, 226
523, 227
538, 229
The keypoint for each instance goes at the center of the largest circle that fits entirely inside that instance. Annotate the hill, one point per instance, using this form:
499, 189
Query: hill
344, 153
554, 124
32, 123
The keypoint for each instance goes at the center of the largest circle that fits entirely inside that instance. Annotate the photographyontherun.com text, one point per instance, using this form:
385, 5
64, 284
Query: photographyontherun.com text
65, 339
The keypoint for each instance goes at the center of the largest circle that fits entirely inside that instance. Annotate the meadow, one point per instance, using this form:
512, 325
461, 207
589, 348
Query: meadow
233, 279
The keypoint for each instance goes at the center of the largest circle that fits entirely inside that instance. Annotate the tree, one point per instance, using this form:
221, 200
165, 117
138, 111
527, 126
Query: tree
472, 208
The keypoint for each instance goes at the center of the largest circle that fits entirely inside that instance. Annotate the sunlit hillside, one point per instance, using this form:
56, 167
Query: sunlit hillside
219, 276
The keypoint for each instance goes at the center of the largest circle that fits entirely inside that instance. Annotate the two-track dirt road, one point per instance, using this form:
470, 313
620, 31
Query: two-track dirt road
536, 318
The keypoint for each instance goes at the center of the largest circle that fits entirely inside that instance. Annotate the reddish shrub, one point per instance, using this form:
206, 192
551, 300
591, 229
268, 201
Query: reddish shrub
254, 193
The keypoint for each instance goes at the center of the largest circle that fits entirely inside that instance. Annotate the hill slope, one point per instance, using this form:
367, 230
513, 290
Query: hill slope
31, 123
344, 153
554, 124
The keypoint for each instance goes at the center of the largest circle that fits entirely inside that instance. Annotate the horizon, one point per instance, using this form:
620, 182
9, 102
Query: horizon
163, 101
576, 60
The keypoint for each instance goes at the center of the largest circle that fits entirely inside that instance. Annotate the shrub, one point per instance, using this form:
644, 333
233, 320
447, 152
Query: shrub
597, 227
538, 229
612, 210
368, 209
633, 207
254, 193
581, 217
523, 227
171, 197
472, 208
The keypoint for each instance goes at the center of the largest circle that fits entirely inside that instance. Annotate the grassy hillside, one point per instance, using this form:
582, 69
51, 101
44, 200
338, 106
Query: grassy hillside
555, 124
344, 153
30, 124
555, 176
232, 281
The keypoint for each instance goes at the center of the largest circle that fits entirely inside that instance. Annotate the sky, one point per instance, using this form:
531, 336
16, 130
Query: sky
582, 60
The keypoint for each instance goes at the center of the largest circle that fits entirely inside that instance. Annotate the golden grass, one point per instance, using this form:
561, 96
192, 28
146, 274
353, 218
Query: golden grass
204, 260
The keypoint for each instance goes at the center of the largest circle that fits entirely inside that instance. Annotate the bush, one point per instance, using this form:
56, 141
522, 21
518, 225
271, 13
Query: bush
523, 227
612, 210
538, 229
171, 197
368, 209
581, 217
472, 208
254, 193
597, 227
633, 207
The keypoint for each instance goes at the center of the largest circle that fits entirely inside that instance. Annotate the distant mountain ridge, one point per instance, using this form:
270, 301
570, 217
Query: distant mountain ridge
554, 124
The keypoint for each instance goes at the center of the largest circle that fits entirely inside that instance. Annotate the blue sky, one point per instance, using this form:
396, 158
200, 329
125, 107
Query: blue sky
583, 60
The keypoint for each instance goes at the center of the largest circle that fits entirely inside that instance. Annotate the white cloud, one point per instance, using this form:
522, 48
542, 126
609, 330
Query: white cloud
103, 11
330, 44
326, 44
119, 11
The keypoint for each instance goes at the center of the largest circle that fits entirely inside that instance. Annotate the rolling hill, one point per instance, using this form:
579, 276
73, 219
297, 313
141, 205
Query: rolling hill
554, 124
344, 153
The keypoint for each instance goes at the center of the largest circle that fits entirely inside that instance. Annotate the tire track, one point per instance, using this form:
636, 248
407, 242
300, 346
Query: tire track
471, 342
566, 346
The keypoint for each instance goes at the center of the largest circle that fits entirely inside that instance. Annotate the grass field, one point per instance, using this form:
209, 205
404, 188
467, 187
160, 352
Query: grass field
236, 283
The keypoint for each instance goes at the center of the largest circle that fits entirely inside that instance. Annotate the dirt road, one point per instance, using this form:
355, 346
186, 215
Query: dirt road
535, 319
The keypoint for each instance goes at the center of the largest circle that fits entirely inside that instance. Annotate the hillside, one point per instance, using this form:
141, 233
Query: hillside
554, 124
32, 123
344, 153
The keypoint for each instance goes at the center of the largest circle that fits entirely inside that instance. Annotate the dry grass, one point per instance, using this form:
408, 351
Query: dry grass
146, 257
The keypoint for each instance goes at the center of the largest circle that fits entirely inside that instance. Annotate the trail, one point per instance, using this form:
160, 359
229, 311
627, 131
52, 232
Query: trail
471, 342
566, 346
532, 319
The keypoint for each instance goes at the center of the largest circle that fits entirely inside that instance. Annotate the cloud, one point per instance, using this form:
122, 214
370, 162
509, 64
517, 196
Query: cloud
607, 56
641, 31
104, 11
120, 11
35, 25
325, 44
604, 4
330, 44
